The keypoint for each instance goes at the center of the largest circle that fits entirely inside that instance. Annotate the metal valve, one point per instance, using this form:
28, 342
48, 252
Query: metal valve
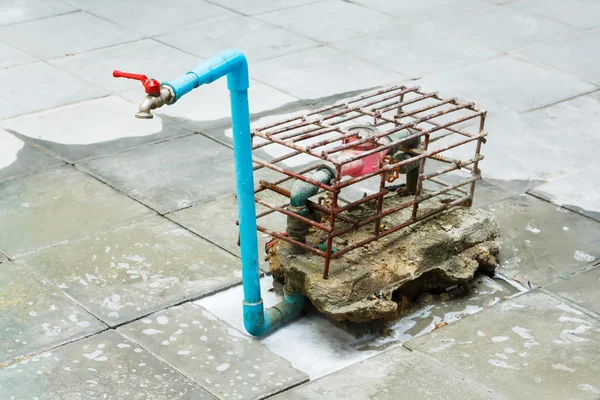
152, 86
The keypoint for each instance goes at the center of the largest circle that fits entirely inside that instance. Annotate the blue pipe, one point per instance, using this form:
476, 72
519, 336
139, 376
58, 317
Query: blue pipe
233, 64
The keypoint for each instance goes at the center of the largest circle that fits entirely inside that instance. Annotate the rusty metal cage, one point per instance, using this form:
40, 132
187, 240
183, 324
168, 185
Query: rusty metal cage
321, 134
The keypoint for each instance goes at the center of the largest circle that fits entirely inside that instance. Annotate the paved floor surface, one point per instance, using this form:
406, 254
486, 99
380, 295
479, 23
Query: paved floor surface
119, 272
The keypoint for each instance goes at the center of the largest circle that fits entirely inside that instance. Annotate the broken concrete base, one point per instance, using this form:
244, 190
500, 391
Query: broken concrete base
376, 281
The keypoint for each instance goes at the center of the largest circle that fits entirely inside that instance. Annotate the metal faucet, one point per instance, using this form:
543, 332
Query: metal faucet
157, 95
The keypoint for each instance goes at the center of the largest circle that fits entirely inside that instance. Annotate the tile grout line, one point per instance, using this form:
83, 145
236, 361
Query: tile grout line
558, 205
571, 303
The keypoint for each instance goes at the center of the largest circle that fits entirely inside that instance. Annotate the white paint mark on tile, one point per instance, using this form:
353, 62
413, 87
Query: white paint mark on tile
524, 333
584, 257
499, 339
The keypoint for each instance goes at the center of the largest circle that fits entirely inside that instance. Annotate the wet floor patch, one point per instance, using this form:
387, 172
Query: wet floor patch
318, 346
541, 242
35, 318
104, 366
137, 269
532, 346
213, 354
48, 208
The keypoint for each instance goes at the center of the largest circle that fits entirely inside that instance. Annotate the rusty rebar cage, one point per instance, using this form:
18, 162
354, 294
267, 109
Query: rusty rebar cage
321, 134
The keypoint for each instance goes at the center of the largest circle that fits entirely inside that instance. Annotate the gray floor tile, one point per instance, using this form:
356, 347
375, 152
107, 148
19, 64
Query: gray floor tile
95, 128
256, 39
24, 10
171, 175
541, 242
223, 213
395, 374
511, 83
216, 356
38, 94
331, 20
423, 10
47, 208
577, 192
2, 258
519, 146
63, 35
571, 54
414, 50
34, 317
11, 57
104, 366
582, 289
580, 13
136, 269
252, 7
328, 72
152, 17
503, 28
156, 60
18, 158
530, 347
572, 119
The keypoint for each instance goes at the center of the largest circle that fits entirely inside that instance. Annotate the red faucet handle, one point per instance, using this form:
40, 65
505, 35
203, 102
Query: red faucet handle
152, 86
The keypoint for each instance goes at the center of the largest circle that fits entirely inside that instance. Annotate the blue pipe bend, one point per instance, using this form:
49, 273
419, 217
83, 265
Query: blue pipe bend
233, 64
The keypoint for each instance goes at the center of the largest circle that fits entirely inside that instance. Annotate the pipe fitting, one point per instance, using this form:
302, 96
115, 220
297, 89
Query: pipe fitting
299, 195
151, 102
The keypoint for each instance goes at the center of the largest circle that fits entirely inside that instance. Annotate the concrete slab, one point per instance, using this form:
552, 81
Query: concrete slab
583, 14
395, 374
102, 366
137, 269
45, 209
419, 11
149, 57
570, 54
38, 95
252, 7
320, 347
502, 28
222, 213
507, 82
577, 192
331, 20
208, 107
25, 10
221, 359
178, 14
171, 175
531, 346
541, 242
291, 72
257, 40
34, 317
519, 146
582, 289
11, 57
95, 128
18, 158
421, 50
63, 35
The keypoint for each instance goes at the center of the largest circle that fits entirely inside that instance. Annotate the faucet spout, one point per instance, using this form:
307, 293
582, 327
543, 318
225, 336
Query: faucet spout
151, 102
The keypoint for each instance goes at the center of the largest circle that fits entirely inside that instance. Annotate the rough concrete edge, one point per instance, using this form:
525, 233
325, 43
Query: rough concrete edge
304, 376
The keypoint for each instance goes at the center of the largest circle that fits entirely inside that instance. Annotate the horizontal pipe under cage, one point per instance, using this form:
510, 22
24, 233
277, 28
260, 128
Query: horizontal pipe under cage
397, 143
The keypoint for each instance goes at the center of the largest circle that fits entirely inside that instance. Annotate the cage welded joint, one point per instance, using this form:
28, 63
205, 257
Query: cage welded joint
379, 134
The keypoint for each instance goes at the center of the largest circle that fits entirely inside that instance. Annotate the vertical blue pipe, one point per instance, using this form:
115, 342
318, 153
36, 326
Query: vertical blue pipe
232, 63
